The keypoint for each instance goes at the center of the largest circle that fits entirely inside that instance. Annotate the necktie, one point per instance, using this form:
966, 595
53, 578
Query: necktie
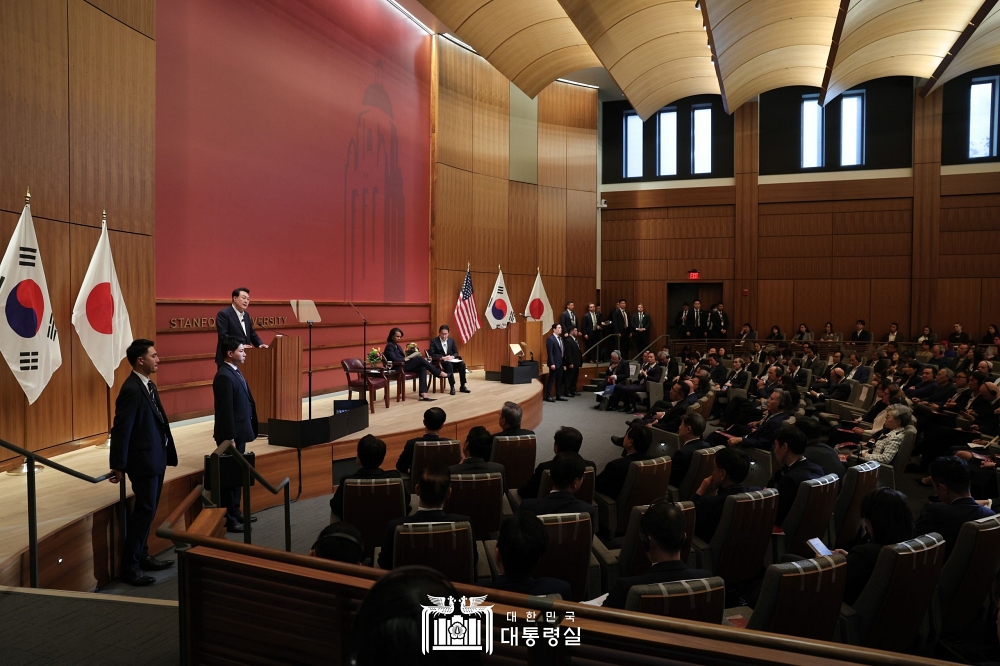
156, 400
697, 314
244, 381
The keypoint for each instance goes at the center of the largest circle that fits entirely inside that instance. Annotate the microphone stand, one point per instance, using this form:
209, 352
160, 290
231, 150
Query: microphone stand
364, 337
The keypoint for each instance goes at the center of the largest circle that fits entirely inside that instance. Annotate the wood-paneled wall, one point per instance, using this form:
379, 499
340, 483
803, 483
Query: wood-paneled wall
480, 218
77, 95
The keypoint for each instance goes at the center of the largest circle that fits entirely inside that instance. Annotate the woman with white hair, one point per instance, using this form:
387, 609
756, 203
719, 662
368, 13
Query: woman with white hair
884, 447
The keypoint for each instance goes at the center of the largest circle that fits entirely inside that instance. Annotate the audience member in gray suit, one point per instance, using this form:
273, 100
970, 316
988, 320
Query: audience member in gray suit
567, 477
476, 452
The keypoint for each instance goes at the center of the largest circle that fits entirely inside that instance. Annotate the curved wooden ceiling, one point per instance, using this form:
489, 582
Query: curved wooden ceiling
659, 51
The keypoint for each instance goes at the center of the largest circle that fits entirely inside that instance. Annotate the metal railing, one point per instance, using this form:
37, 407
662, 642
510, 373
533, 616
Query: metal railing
215, 474
600, 344
33, 458
650, 346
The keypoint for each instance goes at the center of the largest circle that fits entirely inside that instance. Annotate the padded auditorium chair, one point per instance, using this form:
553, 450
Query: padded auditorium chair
698, 599
962, 597
801, 598
444, 452
741, 541
858, 482
447, 547
585, 493
702, 466
480, 497
369, 504
647, 481
888, 613
630, 559
809, 517
889, 475
517, 455
663, 443
569, 556
363, 384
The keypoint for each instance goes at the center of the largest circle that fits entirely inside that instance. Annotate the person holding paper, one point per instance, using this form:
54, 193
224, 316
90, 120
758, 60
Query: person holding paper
236, 323
414, 362
444, 349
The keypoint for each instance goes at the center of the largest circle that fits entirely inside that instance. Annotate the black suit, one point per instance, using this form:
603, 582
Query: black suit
440, 350
720, 325
405, 461
142, 447
699, 323
421, 516
531, 586
708, 511
641, 320
682, 460
567, 320
572, 356
393, 352
664, 572
592, 333
235, 419
620, 324
531, 486
337, 501
612, 479
513, 432
864, 335
672, 415
947, 519
554, 351
227, 324
719, 374
559, 501
787, 481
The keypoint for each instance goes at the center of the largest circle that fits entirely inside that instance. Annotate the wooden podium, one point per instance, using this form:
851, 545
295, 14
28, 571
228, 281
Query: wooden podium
274, 376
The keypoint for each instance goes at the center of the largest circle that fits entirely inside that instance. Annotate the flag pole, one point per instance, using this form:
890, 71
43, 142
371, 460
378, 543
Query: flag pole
106, 444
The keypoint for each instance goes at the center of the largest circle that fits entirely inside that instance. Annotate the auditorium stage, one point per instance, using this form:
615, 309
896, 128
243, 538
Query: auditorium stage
77, 522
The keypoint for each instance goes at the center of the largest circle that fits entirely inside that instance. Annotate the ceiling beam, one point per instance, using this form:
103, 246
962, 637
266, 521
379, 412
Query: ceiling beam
715, 55
966, 35
831, 58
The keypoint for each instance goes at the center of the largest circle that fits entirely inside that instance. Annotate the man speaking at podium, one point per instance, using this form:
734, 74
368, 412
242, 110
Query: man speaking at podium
444, 349
235, 322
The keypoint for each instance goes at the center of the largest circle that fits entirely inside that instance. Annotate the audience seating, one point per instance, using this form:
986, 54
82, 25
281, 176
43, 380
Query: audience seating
444, 452
667, 442
647, 480
362, 384
585, 493
888, 613
447, 547
517, 455
741, 542
809, 517
889, 475
846, 523
963, 592
801, 598
369, 505
698, 599
762, 466
656, 391
702, 466
480, 497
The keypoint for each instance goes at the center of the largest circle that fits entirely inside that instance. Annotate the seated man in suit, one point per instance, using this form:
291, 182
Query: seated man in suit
861, 334
925, 388
522, 542
797, 372
731, 468
510, 421
838, 389
789, 449
662, 534
567, 476
950, 479
858, 372
340, 542
837, 362
758, 434
691, 428
444, 349
666, 415
636, 445
944, 389
433, 488
371, 453
434, 419
717, 372
475, 454
566, 440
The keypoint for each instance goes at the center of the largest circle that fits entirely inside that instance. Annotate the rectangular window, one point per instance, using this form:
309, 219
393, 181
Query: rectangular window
633, 146
666, 128
701, 140
852, 129
983, 117
812, 132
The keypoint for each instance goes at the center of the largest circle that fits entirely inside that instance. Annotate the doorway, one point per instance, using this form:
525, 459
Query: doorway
679, 293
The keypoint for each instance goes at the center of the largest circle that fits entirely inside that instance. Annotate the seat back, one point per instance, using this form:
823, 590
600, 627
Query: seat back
855, 390
698, 599
647, 481
447, 547
858, 482
585, 493
480, 497
517, 455
353, 366
702, 466
706, 409
744, 535
903, 454
894, 602
369, 504
444, 452
866, 397
810, 514
974, 561
801, 598
568, 554
632, 560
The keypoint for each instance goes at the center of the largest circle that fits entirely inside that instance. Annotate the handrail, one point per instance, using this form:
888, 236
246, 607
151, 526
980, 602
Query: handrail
185, 504
248, 472
31, 458
646, 348
596, 346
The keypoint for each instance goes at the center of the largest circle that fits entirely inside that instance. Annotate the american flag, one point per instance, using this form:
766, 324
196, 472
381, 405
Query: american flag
466, 314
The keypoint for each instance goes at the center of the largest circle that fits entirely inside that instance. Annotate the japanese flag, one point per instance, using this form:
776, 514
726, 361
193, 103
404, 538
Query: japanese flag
538, 308
99, 316
28, 336
499, 311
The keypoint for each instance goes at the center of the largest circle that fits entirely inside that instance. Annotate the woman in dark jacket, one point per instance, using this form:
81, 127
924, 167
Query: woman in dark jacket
776, 334
991, 332
394, 353
888, 520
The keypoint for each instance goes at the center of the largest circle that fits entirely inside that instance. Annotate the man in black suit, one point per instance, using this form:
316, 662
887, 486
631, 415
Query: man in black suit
567, 476
236, 323
691, 428
861, 334
235, 418
434, 419
568, 318
684, 322
444, 349
621, 325
667, 415
699, 322
522, 541
716, 371
719, 323
434, 489
142, 447
510, 421
554, 359
476, 454
572, 360
789, 449
592, 332
731, 468
662, 535
566, 440
798, 374
371, 454
837, 390
636, 444
951, 481
640, 327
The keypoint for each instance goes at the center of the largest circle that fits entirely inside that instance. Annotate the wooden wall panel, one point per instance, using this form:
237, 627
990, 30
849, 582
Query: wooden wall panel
34, 106
490, 121
552, 230
581, 137
989, 309
454, 106
774, 305
812, 306
581, 234
851, 301
453, 216
958, 300
487, 244
112, 102
689, 196
523, 228
137, 14
653, 296
552, 137
890, 303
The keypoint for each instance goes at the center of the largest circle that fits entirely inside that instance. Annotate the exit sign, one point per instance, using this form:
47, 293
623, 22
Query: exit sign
694, 275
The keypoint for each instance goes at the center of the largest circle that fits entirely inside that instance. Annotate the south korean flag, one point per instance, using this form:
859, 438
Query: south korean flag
28, 336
